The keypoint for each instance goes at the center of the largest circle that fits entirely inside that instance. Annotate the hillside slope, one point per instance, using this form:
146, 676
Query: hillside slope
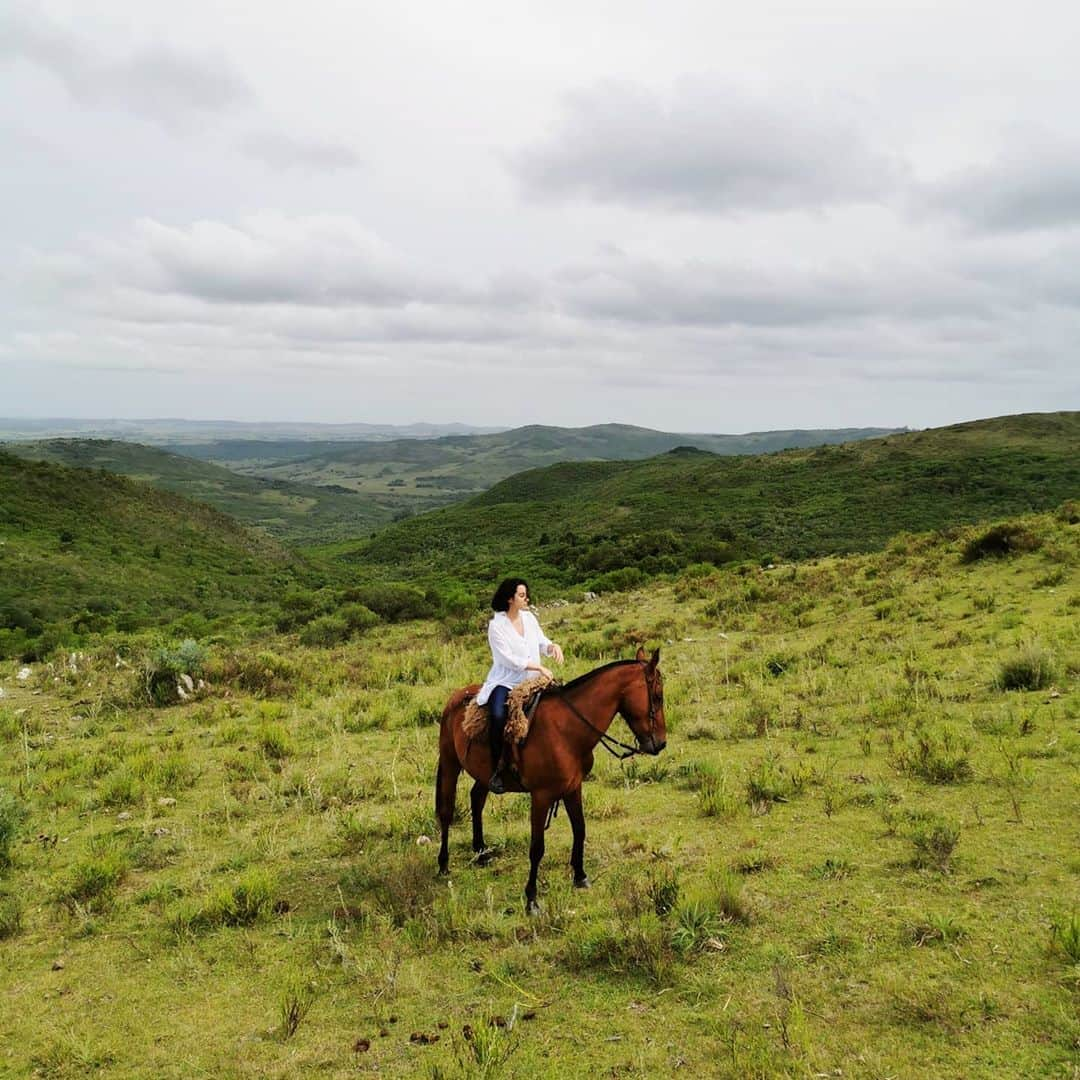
292, 512
575, 522
86, 551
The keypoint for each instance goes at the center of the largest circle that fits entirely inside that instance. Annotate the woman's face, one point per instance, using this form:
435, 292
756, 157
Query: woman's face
520, 600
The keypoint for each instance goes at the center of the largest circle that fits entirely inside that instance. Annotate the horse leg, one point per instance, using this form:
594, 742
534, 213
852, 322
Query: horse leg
538, 816
478, 798
576, 814
446, 778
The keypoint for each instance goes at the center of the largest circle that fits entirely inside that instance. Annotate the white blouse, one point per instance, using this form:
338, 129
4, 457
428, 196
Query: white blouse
511, 651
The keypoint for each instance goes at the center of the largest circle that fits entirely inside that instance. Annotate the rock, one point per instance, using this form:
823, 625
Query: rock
161, 832
188, 681
1, 691
166, 800
58, 965
590, 597
422, 840
124, 815
24, 674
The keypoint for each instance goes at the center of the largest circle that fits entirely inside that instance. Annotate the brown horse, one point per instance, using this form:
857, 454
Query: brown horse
568, 723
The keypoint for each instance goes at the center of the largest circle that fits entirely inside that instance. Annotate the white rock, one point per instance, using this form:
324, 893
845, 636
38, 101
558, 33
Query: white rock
422, 840
189, 683
1, 691
24, 674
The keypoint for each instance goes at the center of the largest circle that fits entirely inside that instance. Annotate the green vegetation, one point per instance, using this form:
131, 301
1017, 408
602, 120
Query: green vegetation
856, 856
422, 473
610, 526
295, 513
86, 554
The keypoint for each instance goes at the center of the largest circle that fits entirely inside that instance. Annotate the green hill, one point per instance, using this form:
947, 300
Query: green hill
85, 552
289, 511
612, 523
447, 469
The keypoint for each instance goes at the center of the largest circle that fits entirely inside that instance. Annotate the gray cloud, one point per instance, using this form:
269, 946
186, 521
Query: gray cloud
1030, 186
157, 81
284, 151
709, 149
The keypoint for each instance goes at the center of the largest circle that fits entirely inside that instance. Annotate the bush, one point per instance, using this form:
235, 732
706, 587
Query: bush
164, 666
325, 631
1001, 541
393, 602
629, 577
1031, 669
358, 617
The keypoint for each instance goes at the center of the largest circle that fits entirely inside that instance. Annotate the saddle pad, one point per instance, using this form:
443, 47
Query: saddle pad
475, 723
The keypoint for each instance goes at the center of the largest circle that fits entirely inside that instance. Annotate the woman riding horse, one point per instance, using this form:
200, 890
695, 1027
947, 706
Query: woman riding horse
517, 643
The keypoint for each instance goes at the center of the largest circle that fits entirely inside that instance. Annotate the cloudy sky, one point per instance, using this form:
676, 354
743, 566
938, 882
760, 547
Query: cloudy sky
691, 216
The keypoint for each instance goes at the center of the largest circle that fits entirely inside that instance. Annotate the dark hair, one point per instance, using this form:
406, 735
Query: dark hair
503, 594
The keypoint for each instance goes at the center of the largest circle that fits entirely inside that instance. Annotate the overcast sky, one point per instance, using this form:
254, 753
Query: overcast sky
692, 216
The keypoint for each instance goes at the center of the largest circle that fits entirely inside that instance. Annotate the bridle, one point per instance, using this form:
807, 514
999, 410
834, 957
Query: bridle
609, 741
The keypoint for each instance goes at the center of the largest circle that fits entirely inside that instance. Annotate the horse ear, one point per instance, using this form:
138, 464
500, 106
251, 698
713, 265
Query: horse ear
655, 658
640, 653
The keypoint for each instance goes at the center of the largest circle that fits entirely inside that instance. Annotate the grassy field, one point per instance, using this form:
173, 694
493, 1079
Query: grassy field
858, 856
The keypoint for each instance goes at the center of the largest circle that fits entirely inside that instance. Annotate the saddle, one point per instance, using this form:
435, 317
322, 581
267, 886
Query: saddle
520, 706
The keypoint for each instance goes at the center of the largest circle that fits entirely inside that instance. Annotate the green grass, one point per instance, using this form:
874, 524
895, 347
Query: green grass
824, 871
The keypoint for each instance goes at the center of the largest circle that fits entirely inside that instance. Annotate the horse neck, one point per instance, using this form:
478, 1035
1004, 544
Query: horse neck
598, 698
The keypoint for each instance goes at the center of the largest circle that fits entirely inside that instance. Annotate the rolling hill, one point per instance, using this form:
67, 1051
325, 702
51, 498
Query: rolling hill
612, 523
448, 469
291, 512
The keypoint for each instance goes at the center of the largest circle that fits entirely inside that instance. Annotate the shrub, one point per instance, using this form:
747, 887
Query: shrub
274, 741
400, 887
265, 673
324, 631
164, 666
393, 602
1000, 541
1032, 668
358, 618
621, 580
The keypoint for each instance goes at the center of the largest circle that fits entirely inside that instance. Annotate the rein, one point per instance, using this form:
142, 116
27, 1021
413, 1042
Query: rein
609, 741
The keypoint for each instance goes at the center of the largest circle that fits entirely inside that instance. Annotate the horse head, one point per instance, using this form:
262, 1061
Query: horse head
642, 704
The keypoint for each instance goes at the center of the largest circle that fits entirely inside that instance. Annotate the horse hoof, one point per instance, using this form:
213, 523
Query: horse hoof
582, 882
484, 856
532, 908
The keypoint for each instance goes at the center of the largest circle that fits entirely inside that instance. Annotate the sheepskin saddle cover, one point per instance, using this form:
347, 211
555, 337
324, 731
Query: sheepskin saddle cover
518, 713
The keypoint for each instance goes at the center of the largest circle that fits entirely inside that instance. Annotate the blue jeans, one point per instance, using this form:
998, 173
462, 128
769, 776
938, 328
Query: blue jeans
497, 719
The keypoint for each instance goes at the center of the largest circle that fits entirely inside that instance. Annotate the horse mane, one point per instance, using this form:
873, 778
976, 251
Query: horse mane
589, 674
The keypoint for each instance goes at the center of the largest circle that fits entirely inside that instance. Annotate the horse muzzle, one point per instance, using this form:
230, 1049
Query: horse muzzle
649, 745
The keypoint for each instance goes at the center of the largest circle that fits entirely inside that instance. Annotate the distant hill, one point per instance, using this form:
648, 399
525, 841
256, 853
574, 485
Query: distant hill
291, 512
166, 431
453, 467
610, 523
84, 550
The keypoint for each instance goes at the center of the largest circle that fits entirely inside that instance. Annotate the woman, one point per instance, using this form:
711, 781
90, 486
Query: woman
517, 643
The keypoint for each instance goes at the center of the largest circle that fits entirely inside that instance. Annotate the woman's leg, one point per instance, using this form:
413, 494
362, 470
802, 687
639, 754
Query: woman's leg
497, 722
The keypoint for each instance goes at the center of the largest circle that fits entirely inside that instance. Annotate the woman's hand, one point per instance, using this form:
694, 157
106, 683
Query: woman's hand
546, 672
555, 652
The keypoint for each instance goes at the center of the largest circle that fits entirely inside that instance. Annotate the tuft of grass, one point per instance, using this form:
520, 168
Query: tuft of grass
698, 925
248, 900
294, 1005
833, 868
1065, 936
274, 741
728, 893
91, 883
941, 756
937, 928
1032, 668
12, 814
935, 841
715, 799
11, 912
399, 886
663, 890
